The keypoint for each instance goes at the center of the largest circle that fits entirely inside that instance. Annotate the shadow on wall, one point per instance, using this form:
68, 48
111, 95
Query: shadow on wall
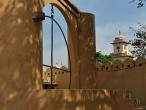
20, 46
65, 100
128, 75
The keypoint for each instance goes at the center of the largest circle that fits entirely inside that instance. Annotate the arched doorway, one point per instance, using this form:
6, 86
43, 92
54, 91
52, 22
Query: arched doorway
81, 43
71, 20
56, 55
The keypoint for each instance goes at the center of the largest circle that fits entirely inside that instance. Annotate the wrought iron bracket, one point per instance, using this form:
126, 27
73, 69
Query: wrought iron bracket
40, 16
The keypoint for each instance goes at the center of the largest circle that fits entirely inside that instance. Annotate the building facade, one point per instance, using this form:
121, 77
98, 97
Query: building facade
120, 48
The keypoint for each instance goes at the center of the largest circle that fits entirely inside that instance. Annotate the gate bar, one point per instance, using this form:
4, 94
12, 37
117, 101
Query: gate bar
52, 26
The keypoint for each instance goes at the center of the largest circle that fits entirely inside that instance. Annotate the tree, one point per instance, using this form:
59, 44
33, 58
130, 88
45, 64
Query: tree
103, 58
139, 43
140, 2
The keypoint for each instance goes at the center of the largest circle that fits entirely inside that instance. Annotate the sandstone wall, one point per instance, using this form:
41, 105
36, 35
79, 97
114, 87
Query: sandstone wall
21, 63
65, 100
20, 49
129, 75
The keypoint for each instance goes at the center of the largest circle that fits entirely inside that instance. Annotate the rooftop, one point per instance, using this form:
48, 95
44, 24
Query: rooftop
120, 39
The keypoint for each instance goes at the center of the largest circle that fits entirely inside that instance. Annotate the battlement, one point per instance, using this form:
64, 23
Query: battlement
127, 75
118, 65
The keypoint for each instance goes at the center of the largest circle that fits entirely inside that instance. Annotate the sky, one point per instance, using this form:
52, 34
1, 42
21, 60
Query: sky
110, 17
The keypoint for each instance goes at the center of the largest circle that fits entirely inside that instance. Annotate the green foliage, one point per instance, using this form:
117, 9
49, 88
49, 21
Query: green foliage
103, 58
139, 43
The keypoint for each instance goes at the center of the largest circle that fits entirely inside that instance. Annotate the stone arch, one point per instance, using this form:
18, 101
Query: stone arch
26, 65
79, 41
71, 19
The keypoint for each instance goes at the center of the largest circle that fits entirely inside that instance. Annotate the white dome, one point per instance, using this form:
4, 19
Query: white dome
120, 39
120, 36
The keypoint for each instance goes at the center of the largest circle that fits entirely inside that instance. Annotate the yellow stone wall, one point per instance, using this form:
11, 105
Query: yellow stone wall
129, 75
65, 100
61, 78
20, 45
21, 62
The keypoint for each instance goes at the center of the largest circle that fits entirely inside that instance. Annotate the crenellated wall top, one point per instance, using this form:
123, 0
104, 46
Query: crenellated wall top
119, 65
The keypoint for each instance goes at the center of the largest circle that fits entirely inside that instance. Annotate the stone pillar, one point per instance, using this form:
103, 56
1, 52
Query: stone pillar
87, 50
73, 48
20, 46
82, 50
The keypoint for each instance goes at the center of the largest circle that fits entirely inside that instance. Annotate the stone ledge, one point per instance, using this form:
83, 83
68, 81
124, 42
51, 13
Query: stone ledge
63, 100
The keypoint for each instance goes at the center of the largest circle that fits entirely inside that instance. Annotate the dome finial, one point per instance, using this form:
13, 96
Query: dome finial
119, 32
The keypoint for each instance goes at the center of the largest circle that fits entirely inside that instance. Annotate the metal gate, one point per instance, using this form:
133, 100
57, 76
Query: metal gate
41, 16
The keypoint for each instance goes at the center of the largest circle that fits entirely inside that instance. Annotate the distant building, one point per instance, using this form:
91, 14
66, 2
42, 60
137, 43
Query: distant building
59, 76
120, 47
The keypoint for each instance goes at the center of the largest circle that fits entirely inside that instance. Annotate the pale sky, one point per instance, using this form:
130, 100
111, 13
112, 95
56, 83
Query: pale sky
110, 17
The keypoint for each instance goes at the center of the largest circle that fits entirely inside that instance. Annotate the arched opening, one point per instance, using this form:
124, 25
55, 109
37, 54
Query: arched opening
60, 51
81, 43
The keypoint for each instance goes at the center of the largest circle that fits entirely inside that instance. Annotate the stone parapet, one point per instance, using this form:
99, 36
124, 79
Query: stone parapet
64, 100
127, 75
